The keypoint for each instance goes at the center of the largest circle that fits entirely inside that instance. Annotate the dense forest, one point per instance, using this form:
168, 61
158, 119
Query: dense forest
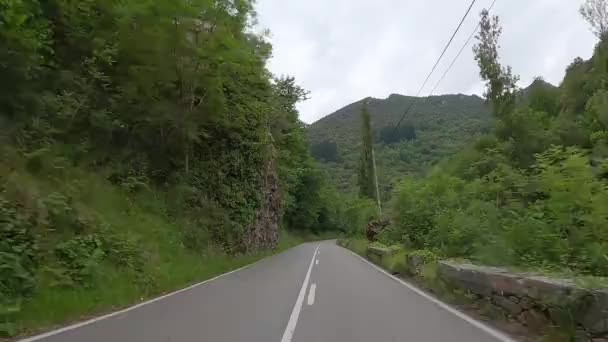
533, 191
436, 127
144, 145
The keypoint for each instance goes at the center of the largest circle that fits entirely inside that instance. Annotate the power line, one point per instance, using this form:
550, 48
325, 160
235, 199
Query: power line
435, 66
459, 53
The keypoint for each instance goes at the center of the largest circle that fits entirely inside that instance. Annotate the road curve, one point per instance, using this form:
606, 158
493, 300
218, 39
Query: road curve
301, 295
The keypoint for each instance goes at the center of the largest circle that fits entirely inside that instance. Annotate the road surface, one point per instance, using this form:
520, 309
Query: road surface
316, 292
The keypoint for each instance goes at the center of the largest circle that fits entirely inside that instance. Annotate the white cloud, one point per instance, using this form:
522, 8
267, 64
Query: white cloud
345, 50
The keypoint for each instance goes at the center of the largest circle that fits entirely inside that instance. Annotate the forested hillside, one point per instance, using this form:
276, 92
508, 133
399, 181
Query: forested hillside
530, 195
435, 128
144, 146
533, 192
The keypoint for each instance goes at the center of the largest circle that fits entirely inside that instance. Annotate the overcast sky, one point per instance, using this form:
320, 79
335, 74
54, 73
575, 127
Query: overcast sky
345, 50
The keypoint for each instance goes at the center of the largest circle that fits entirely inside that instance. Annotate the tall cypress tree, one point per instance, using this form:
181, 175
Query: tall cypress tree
367, 177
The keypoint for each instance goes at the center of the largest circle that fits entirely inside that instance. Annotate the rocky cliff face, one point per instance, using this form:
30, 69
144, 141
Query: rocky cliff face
264, 233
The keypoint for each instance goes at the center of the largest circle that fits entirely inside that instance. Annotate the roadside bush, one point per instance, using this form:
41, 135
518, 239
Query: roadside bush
566, 226
389, 236
462, 231
35, 163
417, 205
7, 318
122, 251
358, 246
195, 237
424, 256
81, 256
61, 215
18, 252
551, 216
358, 213
378, 244
396, 262
212, 225
342, 242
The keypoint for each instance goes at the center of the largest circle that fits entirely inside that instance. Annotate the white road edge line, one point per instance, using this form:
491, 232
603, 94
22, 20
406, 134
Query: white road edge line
487, 329
295, 313
116, 313
311, 294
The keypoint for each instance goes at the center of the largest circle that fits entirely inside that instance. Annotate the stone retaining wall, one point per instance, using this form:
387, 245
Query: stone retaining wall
532, 300
535, 301
378, 251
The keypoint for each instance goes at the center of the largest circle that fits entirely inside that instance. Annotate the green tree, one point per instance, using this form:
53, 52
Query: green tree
596, 13
172, 103
390, 135
500, 82
543, 97
175, 94
325, 151
24, 42
523, 132
367, 175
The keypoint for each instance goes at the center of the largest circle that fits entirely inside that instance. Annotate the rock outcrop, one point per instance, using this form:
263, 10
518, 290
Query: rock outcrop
264, 232
374, 228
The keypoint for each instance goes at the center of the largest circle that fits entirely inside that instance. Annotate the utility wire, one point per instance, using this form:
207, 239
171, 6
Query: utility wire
434, 67
459, 53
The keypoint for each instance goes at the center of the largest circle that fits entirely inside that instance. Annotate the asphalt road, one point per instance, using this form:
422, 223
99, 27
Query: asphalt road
317, 292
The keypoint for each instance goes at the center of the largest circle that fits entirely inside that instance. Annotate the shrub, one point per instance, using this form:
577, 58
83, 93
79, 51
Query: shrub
359, 246
396, 262
18, 252
425, 256
195, 237
81, 256
551, 216
122, 251
358, 213
61, 215
343, 242
566, 225
7, 313
378, 244
417, 204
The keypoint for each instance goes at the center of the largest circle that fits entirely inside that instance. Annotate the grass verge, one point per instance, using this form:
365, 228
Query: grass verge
51, 307
139, 225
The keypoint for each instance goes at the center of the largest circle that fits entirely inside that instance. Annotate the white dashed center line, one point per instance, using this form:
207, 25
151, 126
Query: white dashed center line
295, 314
311, 294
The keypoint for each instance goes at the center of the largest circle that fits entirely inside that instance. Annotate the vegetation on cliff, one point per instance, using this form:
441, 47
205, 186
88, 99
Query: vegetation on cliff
144, 145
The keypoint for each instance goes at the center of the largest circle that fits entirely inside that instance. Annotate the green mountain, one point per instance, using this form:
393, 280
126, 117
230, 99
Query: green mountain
435, 127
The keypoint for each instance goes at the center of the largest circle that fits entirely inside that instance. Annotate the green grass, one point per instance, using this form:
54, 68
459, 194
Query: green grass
358, 245
168, 264
114, 289
396, 262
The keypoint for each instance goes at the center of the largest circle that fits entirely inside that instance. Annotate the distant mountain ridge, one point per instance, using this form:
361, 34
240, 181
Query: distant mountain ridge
386, 112
442, 124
